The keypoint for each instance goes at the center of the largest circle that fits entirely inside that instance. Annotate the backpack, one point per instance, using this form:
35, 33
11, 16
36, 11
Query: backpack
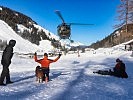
123, 72
122, 67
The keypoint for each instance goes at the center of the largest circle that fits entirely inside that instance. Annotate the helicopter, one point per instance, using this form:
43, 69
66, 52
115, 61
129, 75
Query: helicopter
64, 29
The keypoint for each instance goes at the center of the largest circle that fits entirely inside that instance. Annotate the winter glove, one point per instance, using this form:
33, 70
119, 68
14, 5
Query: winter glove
59, 55
35, 54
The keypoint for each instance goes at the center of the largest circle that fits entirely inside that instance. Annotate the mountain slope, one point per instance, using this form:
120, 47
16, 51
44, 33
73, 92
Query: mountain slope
117, 37
25, 27
22, 45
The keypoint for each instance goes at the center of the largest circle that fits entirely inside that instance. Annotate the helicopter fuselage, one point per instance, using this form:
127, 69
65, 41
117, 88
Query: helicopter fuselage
64, 31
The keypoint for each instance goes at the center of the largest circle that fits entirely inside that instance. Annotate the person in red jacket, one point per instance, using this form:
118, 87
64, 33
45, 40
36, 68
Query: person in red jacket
45, 63
120, 69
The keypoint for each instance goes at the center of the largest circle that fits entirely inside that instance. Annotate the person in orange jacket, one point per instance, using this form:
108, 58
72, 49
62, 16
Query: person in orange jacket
45, 63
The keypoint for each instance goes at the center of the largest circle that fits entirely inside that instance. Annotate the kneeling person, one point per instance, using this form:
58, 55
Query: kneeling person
45, 63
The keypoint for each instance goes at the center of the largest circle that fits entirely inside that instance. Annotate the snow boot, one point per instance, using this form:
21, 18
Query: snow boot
10, 82
2, 84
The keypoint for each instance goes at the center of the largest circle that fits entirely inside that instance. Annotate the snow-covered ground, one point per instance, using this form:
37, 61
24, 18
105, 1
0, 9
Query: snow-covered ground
72, 78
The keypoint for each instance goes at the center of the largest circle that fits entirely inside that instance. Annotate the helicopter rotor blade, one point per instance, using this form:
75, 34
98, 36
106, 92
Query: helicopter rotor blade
79, 24
59, 14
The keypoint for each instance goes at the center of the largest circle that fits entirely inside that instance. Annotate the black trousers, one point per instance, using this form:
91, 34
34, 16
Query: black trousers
46, 73
5, 74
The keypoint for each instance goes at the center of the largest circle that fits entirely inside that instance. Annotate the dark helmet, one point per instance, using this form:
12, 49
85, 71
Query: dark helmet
45, 54
118, 60
12, 43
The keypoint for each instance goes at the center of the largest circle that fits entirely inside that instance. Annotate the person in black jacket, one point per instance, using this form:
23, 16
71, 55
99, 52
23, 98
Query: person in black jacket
6, 61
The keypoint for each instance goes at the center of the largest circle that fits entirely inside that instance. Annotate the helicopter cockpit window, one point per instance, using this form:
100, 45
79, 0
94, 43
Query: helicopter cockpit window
63, 28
